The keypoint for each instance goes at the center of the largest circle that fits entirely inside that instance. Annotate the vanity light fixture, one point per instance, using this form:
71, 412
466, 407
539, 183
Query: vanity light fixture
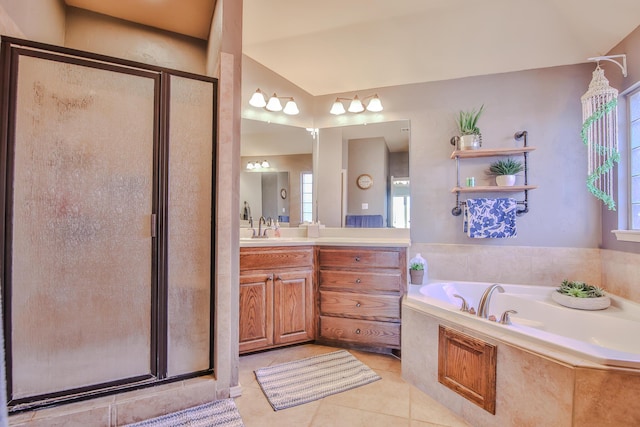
356, 105
258, 165
258, 100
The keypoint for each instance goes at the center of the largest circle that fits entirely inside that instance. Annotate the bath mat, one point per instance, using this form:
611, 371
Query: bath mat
302, 381
221, 413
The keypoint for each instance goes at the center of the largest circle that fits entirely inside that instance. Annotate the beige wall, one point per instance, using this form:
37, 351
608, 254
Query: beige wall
368, 156
98, 33
254, 76
545, 102
295, 164
45, 21
38, 20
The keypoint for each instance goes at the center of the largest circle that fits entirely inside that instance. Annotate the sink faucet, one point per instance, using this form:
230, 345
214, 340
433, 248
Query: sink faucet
260, 222
483, 305
253, 230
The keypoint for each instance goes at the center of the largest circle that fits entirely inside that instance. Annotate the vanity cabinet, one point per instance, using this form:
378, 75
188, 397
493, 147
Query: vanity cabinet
360, 291
276, 297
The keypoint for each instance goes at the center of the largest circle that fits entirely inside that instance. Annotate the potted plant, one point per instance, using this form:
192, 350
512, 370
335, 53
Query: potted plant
416, 271
505, 171
470, 138
580, 295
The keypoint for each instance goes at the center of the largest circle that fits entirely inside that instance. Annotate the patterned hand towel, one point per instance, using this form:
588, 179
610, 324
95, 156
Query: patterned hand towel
491, 218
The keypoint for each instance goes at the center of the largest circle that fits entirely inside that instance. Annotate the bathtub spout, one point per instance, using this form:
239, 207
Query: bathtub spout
483, 305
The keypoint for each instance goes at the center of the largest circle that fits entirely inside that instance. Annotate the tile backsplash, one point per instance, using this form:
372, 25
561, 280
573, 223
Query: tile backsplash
616, 271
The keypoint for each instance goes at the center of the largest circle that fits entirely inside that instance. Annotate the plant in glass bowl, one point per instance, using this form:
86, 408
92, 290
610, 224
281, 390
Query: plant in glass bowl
505, 171
580, 295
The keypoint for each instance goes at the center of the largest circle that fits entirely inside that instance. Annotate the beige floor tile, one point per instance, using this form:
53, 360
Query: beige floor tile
426, 410
338, 416
384, 362
388, 396
257, 412
389, 402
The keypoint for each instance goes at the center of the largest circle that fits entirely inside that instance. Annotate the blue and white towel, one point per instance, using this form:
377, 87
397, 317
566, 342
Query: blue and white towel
490, 218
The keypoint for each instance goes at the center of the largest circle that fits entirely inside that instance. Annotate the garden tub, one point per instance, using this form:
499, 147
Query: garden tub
607, 337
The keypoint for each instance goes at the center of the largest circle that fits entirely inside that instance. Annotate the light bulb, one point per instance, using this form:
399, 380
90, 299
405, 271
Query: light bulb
337, 108
291, 108
274, 103
265, 164
356, 106
374, 105
257, 99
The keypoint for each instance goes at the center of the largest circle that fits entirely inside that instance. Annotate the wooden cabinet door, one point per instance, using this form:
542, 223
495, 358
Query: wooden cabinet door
293, 306
256, 311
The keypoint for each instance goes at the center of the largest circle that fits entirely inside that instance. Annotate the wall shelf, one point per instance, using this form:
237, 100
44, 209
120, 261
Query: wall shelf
490, 152
493, 152
493, 188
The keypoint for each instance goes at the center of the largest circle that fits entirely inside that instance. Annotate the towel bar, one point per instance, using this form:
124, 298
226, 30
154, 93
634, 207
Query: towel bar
457, 209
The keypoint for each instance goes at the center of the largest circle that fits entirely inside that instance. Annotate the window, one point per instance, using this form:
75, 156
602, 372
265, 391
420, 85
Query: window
634, 159
307, 197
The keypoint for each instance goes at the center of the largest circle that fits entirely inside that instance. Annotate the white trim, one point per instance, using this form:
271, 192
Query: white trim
235, 391
627, 235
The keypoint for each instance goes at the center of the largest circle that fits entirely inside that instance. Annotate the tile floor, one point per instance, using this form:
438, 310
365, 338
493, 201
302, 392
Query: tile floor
391, 402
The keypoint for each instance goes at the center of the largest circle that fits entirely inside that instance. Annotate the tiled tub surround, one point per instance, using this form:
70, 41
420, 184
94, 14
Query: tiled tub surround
530, 376
618, 272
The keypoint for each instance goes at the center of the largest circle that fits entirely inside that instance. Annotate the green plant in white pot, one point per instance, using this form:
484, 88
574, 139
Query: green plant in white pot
505, 171
470, 138
580, 295
416, 272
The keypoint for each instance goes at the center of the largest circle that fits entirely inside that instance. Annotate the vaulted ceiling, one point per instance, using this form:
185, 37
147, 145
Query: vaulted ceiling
333, 46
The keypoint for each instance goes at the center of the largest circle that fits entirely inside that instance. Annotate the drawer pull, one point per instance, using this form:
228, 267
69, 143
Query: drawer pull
358, 331
358, 280
357, 304
357, 259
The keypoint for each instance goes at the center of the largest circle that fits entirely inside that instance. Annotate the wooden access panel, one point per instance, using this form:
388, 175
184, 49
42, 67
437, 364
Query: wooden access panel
467, 365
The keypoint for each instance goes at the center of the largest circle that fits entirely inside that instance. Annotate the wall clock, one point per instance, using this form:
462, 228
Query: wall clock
283, 193
364, 181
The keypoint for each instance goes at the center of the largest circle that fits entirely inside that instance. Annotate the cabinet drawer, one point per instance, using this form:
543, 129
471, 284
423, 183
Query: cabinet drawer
362, 306
367, 332
359, 258
380, 281
275, 257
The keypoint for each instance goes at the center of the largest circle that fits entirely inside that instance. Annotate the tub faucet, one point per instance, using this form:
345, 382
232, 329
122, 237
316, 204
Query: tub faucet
464, 306
483, 305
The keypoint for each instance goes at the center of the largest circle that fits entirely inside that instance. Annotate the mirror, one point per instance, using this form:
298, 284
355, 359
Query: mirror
379, 152
265, 194
273, 190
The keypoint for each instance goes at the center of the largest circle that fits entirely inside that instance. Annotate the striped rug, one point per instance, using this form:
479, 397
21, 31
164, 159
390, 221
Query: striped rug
294, 383
221, 413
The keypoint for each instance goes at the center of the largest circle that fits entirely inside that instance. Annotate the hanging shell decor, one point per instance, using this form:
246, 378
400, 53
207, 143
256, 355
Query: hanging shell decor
600, 135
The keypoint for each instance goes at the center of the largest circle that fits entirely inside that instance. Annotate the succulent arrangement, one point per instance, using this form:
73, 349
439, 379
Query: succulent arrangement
506, 166
580, 290
468, 121
416, 266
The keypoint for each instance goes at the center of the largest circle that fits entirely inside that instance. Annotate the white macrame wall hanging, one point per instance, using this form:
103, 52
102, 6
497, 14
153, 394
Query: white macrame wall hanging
600, 132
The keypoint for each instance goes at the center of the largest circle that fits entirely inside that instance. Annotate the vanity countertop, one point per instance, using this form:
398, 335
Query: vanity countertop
334, 237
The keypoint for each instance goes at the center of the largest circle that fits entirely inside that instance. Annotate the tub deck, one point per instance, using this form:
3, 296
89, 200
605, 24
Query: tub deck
606, 337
